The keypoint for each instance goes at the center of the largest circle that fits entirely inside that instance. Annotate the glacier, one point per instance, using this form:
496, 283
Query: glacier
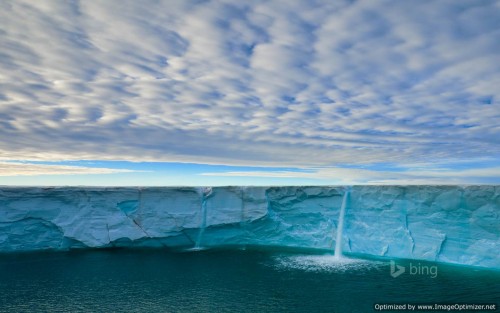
452, 224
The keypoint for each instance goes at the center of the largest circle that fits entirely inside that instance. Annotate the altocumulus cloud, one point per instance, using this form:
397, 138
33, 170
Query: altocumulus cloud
269, 83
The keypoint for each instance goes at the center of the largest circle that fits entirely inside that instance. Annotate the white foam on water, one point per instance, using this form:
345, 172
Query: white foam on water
329, 263
194, 249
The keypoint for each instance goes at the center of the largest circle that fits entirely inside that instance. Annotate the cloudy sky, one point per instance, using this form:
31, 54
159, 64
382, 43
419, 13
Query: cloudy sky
249, 92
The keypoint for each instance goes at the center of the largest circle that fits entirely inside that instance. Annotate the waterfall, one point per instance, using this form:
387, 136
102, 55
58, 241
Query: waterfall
340, 225
205, 194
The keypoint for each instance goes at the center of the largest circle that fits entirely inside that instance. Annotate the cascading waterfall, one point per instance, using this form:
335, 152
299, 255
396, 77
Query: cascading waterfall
340, 226
205, 194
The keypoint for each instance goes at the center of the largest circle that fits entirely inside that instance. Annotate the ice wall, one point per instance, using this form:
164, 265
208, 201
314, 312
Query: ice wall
443, 223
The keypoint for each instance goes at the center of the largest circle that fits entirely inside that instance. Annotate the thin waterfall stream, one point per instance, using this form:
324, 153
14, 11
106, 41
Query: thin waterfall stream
340, 226
205, 194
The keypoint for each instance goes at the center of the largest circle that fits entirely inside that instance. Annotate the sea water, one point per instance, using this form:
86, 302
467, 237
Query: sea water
228, 281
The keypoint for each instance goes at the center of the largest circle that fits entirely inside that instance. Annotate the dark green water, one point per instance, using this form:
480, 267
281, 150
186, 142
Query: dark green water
225, 281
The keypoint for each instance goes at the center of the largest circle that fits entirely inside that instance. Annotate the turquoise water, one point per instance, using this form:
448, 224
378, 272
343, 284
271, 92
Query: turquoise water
226, 281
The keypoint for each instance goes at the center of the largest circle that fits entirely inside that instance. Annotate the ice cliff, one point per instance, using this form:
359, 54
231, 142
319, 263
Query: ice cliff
440, 223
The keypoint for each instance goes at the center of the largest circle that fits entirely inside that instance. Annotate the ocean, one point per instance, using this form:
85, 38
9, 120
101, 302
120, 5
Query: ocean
231, 280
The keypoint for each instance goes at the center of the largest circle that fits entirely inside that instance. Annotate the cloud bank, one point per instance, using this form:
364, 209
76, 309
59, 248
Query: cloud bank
26, 169
350, 176
269, 83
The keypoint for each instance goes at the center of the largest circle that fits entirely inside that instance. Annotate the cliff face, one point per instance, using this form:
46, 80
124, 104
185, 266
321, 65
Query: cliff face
442, 223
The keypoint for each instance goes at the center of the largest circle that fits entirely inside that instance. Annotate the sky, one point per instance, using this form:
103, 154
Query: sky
171, 93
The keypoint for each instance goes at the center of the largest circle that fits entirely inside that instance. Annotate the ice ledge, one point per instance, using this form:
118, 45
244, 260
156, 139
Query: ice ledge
455, 224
